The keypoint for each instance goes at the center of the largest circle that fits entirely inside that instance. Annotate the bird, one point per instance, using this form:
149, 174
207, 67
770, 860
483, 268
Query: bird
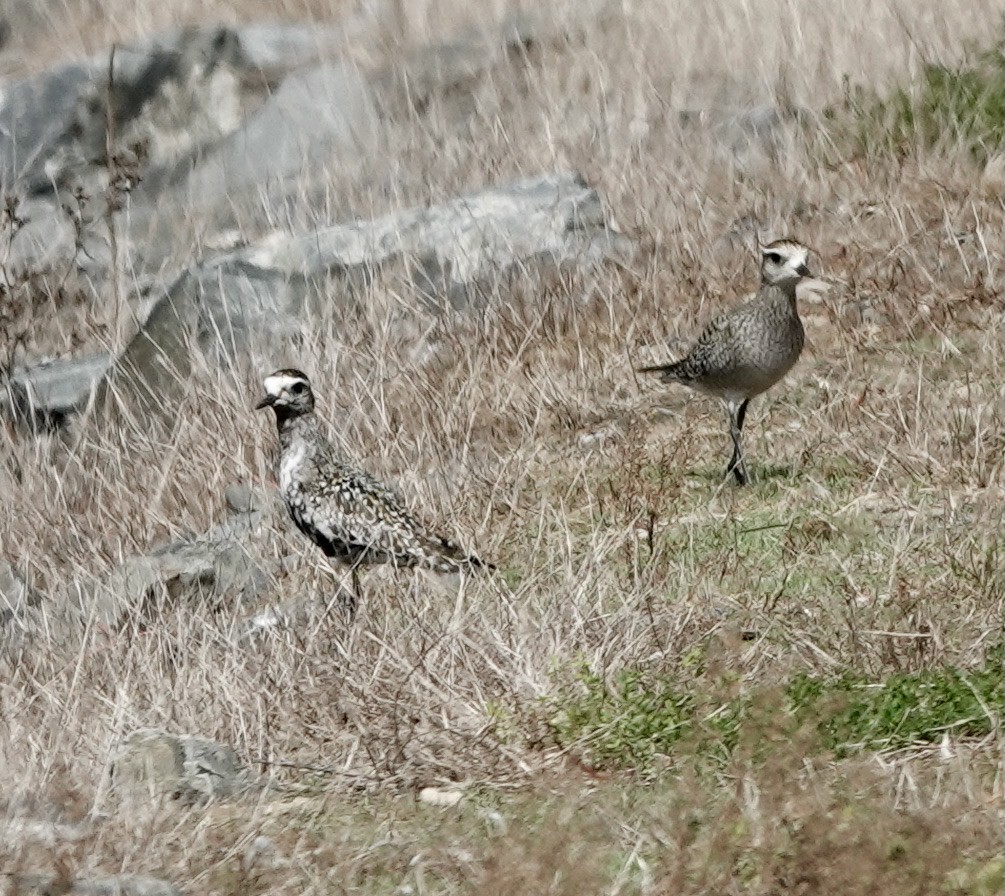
745, 351
354, 519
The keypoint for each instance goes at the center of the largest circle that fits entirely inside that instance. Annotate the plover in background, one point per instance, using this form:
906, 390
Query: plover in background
745, 351
355, 519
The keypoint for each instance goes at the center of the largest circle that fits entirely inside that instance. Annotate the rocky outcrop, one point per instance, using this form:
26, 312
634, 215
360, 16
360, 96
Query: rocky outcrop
253, 299
115, 885
152, 764
219, 567
175, 92
110, 159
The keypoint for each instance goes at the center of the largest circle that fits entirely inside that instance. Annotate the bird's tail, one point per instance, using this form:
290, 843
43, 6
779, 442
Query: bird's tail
476, 563
669, 373
452, 558
470, 563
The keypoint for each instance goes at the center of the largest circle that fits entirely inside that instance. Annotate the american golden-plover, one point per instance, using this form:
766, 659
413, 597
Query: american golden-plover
355, 519
745, 351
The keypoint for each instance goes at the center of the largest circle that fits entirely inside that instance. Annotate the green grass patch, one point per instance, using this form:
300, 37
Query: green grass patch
850, 713
639, 718
950, 106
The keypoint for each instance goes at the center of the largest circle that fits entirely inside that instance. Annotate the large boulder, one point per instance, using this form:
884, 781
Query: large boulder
255, 297
186, 122
36, 118
310, 117
175, 91
151, 764
212, 120
219, 566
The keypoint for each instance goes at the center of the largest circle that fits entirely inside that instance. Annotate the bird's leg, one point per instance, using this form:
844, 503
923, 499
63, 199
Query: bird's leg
348, 599
353, 601
736, 465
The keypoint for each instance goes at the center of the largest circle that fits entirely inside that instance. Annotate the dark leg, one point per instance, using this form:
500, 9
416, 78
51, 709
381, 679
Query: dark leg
353, 601
736, 465
741, 414
346, 598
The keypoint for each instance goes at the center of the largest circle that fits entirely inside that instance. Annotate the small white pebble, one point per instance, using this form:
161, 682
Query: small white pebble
436, 797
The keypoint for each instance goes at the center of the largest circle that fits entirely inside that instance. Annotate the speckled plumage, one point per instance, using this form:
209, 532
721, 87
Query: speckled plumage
354, 518
749, 349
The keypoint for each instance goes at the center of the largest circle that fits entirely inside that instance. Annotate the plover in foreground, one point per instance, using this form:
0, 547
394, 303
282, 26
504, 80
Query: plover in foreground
355, 519
745, 351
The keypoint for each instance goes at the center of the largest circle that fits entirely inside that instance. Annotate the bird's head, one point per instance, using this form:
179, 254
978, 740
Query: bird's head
784, 262
288, 392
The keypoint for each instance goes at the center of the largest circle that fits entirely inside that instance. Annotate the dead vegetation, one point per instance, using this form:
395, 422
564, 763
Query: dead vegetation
870, 545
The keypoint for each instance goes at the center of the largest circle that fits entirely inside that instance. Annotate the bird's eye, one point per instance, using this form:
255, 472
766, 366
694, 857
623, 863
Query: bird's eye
773, 257
298, 388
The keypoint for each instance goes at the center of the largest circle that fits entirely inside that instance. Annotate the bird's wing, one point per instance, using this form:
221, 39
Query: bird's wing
363, 514
705, 355
716, 345
721, 329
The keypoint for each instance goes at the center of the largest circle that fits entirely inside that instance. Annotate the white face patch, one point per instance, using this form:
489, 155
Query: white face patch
797, 258
276, 384
791, 258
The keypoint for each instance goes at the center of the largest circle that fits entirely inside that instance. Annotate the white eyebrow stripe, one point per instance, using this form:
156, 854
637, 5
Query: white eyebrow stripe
274, 385
791, 253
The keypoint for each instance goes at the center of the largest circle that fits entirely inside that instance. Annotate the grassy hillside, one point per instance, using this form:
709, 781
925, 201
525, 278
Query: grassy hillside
674, 685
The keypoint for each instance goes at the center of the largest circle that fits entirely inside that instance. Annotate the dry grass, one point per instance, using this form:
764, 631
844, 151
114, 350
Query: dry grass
870, 543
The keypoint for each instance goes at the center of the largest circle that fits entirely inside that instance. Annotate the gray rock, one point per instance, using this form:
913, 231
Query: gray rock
217, 566
152, 764
117, 885
44, 395
251, 47
36, 117
53, 125
46, 240
451, 253
309, 118
455, 248
23, 19
284, 46
189, 46
157, 360
244, 498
